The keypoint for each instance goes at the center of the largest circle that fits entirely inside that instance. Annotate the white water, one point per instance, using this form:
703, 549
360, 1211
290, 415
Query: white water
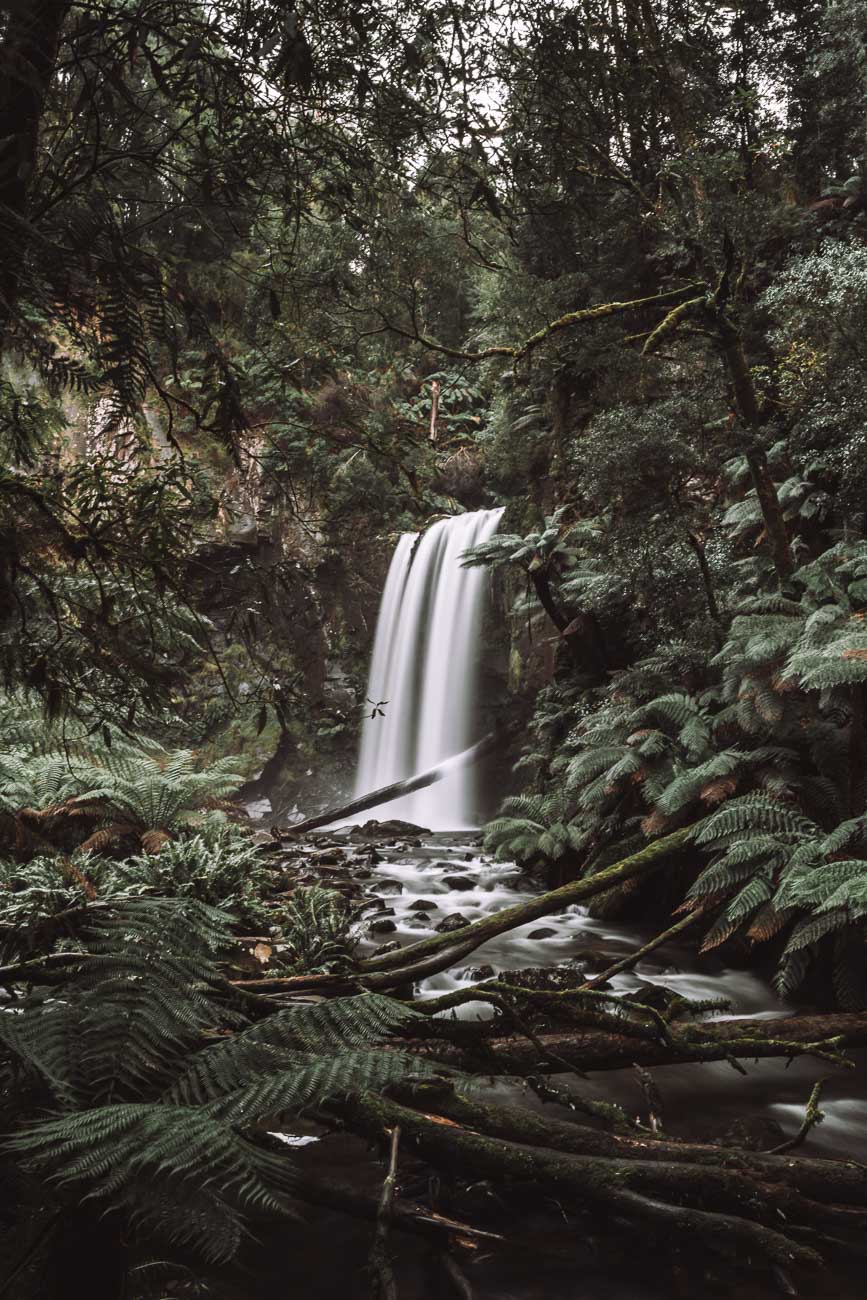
424, 672
452, 876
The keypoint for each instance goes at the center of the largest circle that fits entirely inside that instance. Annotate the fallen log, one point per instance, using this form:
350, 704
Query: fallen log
719, 1184
840, 1182
397, 789
587, 1049
626, 1188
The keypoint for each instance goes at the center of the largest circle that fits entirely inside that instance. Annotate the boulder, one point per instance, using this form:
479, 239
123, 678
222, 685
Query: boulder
383, 925
459, 882
477, 973
422, 905
374, 830
454, 921
544, 932
393, 945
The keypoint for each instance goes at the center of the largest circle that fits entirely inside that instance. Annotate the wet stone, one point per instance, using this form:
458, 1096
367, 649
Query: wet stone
382, 926
459, 882
452, 922
390, 887
393, 945
422, 905
476, 973
591, 959
544, 932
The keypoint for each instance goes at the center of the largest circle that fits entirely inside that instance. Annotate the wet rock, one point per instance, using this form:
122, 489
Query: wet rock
422, 905
569, 975
390, 887
418, 921
544, 932
393, 945
454, 921
476, 973
459, 882
591, 959
383, 925
374, 830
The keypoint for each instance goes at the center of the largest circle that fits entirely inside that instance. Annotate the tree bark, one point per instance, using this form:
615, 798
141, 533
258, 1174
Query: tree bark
580, 632
587, 1048
838, 1181
627, 1188
386, 793
28, 57
749, 410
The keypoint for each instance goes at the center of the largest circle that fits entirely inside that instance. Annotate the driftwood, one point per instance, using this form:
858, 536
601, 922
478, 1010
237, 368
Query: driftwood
386, 793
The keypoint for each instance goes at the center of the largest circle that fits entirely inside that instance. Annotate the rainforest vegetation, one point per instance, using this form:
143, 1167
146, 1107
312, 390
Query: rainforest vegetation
279, 282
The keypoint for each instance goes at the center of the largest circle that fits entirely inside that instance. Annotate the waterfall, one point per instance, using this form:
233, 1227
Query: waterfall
424, 670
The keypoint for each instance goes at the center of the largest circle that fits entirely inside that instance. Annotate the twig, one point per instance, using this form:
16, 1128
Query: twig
633, 958
812, 1116
384, 1285
652, 1096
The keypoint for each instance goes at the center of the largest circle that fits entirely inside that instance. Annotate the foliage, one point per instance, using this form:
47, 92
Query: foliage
317, 930
126, 1091
219, 865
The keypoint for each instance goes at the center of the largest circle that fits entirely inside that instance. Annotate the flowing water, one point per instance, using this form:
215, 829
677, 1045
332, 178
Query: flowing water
423, 679
450, 873
423, 674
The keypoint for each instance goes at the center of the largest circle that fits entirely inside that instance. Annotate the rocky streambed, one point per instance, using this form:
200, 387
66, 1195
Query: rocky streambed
407, 886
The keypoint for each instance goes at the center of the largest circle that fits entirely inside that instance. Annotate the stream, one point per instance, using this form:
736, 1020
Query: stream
421, 882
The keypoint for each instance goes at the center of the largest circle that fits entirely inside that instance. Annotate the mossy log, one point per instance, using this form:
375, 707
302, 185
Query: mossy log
397, 789
718, 1208
840, 1182
587, 1048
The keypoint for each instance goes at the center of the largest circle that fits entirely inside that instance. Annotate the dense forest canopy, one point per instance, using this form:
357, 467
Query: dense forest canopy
279, 282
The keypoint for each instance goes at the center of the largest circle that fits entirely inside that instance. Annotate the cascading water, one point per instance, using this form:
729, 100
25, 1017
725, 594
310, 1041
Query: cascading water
424, 672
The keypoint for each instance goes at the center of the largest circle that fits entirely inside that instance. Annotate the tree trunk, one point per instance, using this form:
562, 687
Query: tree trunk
394, 791
626, 1188
581, 632
28, 57
825, 1180
749, 410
